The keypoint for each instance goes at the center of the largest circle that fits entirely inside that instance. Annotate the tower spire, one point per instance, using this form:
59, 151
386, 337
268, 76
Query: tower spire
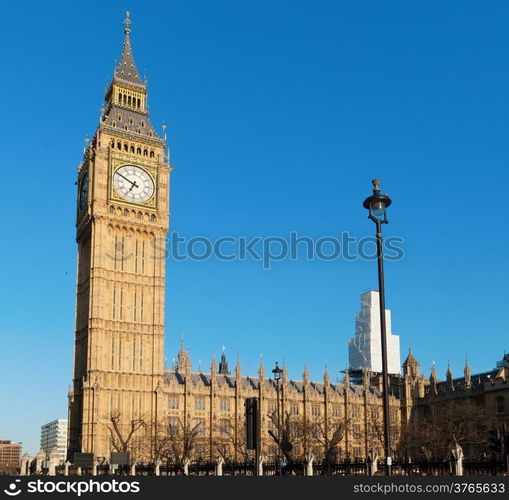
126, 70
127, 23
126, 110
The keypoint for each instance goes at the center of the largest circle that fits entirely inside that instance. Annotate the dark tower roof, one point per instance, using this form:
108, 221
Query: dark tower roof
126, 70
223, 365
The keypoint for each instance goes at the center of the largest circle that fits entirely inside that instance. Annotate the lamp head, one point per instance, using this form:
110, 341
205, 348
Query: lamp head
277, 371
377, 204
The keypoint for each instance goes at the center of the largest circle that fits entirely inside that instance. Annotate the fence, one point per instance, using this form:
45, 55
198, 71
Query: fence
346, 468
420, 468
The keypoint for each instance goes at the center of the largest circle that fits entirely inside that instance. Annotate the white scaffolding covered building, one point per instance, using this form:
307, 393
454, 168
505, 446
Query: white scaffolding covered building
365, 349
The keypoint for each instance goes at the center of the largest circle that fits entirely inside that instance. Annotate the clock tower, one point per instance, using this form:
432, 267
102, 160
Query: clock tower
121, 227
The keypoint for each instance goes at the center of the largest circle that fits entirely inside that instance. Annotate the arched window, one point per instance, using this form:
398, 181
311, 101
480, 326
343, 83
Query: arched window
153, 218
132, 149
142, 123
126, 147
500, 404
129, 101
124, 98
145, 152
119, 146
151, 154
126, 212
119, 117
139, 103
139, 215
113, 124
120, 97
112, 210
138, 151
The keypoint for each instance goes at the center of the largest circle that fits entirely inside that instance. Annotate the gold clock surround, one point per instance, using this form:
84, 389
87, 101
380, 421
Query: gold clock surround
118, 160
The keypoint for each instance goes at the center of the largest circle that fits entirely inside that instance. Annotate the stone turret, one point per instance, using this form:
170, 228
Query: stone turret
411, 366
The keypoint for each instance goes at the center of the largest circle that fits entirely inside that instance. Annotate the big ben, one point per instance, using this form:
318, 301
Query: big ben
121, 227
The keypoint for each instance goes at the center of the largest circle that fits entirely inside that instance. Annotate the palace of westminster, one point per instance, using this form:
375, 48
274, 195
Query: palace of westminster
120, 380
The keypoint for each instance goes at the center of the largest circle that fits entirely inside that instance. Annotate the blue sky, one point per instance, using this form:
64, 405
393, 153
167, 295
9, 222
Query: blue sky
279, 114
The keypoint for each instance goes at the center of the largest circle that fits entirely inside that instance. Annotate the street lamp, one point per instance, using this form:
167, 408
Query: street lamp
377, 205
277, 377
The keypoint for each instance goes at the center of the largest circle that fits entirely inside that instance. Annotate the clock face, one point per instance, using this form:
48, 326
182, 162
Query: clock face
83, 192
133, 184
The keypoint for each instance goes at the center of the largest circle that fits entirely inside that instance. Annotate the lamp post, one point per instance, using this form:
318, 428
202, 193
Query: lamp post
377, 205
277, 377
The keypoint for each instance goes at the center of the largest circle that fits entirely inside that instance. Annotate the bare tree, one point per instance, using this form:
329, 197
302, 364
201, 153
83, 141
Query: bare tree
286, 435
122, 435
229, 443
329, 433
156, 445
375, 430
299, 436
433, 429
182, 439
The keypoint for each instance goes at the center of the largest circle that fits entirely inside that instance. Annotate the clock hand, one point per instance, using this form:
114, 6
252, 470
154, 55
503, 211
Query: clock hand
130, 182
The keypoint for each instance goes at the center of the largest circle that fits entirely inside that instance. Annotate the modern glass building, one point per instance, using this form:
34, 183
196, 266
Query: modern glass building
54, 435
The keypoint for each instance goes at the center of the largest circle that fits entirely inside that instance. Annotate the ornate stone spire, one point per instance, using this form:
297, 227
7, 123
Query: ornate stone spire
448, 376
305, 375
433, 378
326, 377
468, 375
126, 70
365, 379
261, 370
238, 372
433, 374
183, 360
346, 380
213, 365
